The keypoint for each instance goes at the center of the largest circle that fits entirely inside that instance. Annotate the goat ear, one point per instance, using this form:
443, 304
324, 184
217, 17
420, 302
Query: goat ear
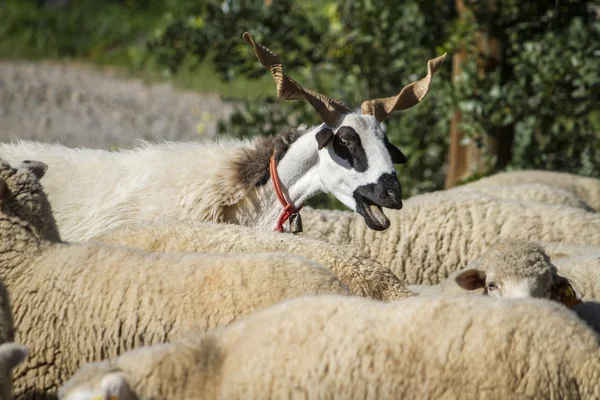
11, 355
564, 291
397, 156
324, 136
470, 279
37, 168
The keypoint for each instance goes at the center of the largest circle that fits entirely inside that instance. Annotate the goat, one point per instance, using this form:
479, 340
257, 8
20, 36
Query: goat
348, 155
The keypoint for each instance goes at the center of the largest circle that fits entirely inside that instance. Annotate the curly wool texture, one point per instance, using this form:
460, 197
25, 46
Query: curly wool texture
588, 189
438, 233
353, 348
537, 192
75, 303
363, 276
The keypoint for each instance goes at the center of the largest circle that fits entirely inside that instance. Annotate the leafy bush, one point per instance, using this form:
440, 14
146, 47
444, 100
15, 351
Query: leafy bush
542, 97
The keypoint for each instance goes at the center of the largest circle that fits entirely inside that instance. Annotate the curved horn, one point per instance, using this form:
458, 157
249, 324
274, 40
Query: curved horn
409, 96
329, 109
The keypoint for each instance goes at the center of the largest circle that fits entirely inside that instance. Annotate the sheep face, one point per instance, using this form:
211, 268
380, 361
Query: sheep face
356, 165
492, 283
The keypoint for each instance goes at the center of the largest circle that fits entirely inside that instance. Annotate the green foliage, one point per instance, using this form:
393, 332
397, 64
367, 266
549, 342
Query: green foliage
543, 96
545, 93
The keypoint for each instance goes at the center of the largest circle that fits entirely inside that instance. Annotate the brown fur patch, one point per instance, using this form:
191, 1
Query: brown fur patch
252, 165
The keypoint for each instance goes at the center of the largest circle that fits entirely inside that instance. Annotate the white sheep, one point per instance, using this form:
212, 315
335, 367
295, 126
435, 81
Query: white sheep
438, 233
354, 348
84, 302
588, 189
363, 276
513, 269
538, 192
233, 181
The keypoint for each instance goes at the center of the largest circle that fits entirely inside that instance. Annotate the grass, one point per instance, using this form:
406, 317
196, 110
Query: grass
110, 34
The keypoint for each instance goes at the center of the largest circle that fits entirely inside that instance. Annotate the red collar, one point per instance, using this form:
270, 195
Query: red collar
288, 209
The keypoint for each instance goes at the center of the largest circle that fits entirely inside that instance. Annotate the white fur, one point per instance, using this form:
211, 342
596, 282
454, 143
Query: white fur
342, 185
95, 190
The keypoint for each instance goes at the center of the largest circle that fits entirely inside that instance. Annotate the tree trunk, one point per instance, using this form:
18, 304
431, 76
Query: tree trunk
467, 159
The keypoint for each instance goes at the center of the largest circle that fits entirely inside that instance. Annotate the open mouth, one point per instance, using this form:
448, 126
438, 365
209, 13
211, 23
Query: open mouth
373, 214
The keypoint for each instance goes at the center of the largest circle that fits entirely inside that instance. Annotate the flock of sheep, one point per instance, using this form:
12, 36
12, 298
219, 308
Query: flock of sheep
155, 273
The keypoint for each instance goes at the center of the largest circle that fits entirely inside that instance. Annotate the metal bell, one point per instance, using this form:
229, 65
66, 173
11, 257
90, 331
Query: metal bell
295, 223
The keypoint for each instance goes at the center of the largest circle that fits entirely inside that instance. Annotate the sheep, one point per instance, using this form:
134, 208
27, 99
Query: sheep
588, 189
83, 302
534, 192
355, 348
11, 355
438, 233
348, 156
512, 269
363, 276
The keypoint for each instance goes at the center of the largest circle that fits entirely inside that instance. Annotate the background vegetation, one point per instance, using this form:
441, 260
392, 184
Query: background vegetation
540, 96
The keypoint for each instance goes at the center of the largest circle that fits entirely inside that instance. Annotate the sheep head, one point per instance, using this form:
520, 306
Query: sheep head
356, 159
516, 269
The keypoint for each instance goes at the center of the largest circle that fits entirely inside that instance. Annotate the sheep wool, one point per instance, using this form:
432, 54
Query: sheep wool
355, 348
76, 303
588, 189
537, 192
363, 276
438, 233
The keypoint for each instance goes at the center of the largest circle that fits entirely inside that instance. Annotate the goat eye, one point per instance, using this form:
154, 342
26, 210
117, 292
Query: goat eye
492, 286
343, 142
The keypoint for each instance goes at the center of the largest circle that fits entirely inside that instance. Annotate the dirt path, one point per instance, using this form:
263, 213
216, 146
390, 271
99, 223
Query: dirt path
77, 105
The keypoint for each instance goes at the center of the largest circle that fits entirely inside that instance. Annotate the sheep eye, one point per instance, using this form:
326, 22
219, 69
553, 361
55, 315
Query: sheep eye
492, 286
343, 142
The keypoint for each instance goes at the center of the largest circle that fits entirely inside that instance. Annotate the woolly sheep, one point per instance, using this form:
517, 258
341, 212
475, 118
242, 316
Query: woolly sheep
509, 269
513, 269
533, 192
355, 348
363, 276
83, 302
348, 156
588, 189
438, 233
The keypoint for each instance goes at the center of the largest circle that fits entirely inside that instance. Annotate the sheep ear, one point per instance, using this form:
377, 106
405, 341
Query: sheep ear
324, 136
471, 279
37, 168
397, 156
11, 355
565, 291
115, 387
3, 188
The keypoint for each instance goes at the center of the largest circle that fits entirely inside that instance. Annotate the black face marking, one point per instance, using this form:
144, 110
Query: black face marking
323, 137
397, 156
385, 192
347, 145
